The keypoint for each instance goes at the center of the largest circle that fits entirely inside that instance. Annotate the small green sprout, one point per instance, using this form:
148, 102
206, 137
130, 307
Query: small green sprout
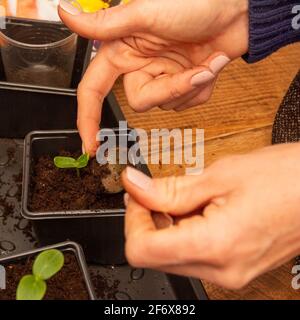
45, 266
69, 162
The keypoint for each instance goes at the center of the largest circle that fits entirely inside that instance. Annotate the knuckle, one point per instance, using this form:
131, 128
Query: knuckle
86, 88
133, 103
137, 105
171, 194
149, 21
138, 102
175, 92
176, 89
99, 18
233, 279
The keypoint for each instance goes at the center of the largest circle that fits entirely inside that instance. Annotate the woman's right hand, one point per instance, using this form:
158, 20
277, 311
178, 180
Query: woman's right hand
170, 53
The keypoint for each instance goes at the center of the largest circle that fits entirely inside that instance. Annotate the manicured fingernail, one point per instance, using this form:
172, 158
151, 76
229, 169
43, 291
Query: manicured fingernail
83, 149
138, 178
201, 78
72, 7
219, 63
126, 199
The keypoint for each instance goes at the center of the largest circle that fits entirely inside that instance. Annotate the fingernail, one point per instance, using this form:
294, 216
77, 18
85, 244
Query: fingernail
162, 220
126, 199
72, 7
138, 178
201, 78
219, 63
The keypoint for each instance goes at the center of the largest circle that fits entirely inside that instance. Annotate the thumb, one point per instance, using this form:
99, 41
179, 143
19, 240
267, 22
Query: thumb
173, 195
108, 24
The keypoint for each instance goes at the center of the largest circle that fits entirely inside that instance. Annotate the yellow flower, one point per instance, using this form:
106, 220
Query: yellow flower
90, 6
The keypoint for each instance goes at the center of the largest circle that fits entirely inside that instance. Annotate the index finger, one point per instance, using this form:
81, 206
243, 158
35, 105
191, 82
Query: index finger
94, 87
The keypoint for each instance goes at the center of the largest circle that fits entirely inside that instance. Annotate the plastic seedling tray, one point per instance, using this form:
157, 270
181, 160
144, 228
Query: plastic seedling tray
53, 108
110, 282
66, 247
25, 108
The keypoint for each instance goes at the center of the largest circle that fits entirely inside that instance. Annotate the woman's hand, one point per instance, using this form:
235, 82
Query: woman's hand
170, 52
236, 221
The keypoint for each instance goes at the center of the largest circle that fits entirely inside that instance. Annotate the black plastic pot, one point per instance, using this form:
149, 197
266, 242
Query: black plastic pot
119, 282
100, 232
25, 108
68, 246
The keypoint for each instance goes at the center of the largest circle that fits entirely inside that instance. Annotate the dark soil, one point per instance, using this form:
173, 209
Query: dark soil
54, 189
103, 288
68, 284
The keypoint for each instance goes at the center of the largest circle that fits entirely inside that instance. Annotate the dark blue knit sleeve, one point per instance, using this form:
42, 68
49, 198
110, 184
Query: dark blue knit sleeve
272, 25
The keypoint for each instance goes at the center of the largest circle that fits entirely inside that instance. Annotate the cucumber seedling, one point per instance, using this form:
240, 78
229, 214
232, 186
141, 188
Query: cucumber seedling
45, 266
72, 163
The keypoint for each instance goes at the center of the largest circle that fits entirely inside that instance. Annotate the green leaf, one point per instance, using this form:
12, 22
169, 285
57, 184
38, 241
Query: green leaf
65, 162
31, 288
48, 263
83, 161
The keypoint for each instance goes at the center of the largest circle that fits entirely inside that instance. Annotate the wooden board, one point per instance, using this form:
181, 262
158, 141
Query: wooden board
237, 119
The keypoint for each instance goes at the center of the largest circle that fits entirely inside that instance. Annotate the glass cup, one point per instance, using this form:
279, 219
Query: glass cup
41, 54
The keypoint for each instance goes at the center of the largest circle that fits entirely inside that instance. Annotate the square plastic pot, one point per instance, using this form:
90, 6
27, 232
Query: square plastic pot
68, 246
100, 232
25, 108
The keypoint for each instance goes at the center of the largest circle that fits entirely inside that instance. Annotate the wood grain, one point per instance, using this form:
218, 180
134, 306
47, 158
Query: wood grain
238, 119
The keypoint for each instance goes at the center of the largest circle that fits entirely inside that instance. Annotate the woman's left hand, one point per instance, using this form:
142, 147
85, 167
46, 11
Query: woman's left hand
170, 53
237, 220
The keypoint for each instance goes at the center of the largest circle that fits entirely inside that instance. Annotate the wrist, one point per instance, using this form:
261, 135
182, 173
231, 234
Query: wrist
242, 17
243, 6
236, 16
238, 9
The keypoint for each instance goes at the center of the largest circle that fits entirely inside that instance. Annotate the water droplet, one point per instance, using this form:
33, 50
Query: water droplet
22, 224
13, 191
8, 246
137, 274
120, 295
3, 159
